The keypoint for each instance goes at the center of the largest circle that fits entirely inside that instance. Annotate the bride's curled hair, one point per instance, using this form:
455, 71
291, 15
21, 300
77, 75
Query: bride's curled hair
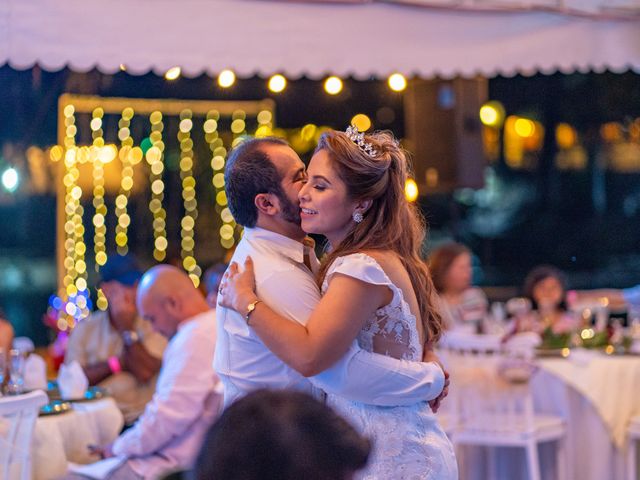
391, 223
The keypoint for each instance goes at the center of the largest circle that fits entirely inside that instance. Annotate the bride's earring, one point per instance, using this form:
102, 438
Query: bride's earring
357, 217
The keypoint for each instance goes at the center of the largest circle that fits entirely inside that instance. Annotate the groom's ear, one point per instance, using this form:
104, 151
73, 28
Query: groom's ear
267, 204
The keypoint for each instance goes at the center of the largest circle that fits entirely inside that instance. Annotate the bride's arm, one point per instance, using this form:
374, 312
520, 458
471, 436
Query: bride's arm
330, 330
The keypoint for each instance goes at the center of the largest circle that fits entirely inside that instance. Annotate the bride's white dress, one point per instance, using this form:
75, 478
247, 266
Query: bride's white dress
408, 442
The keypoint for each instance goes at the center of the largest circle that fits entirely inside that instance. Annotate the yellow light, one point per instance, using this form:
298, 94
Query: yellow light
411, 190
69, 110
609, 349
108, 153
221, 198
587, 333
186, 125
264, 116
173, 73
333, 85
397, 82
492, 114
56, 153
161, 243
277, 83
565, 352
238, 126
524, 127
210, 126
226, 78
565, 135
361, 122
101, 258
81, 284
123, 67
194, 278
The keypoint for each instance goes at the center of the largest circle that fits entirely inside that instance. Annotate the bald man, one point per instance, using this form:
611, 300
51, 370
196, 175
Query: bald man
169, 433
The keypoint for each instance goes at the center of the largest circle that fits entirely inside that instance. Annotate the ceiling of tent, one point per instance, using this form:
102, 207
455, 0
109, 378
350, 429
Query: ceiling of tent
350, 38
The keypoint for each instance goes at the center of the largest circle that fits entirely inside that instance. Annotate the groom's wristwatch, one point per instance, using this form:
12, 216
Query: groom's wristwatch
250, 308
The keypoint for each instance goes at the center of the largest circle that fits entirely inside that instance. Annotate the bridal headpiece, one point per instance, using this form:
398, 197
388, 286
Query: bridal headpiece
358, 138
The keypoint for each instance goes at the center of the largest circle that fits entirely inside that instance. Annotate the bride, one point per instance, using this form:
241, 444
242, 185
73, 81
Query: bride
375, 287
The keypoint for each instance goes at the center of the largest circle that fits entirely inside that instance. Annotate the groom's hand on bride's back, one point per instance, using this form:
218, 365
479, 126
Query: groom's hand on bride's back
430, 356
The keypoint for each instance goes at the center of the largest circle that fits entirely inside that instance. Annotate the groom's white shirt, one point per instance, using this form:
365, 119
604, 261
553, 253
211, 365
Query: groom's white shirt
244, 363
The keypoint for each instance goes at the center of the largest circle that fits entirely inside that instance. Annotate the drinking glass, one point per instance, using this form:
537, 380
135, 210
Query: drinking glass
16, 372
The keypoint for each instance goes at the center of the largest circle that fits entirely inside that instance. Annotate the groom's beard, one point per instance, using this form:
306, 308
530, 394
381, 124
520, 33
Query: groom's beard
290, 211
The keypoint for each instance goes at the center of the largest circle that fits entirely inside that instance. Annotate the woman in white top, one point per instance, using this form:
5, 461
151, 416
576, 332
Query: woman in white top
375, 288
463, 305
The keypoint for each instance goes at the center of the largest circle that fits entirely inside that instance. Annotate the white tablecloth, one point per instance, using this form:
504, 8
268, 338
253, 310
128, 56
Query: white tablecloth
62, 438
597, 395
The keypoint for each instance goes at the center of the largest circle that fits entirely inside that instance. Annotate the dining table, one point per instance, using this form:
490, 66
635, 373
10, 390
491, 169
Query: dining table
64, 437
596, 392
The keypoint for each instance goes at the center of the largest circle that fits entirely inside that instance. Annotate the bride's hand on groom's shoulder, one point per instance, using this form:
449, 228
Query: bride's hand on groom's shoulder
237, 288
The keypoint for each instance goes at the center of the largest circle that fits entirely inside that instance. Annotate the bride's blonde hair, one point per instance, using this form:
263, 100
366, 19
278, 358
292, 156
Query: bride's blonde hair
391, 223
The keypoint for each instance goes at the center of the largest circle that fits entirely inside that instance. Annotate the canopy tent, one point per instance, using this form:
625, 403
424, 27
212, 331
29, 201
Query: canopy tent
361, 39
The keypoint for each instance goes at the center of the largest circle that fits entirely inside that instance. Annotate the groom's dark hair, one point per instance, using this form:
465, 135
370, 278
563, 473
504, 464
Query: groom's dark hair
249, 171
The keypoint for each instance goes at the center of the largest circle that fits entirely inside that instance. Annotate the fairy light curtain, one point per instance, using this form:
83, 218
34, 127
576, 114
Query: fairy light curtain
114, 149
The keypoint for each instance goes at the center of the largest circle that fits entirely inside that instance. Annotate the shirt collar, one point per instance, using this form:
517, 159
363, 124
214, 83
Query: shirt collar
286, 246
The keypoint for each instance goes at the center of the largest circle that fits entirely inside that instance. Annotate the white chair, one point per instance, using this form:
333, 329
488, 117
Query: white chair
495, 405
634, 437
24, 344
18, 416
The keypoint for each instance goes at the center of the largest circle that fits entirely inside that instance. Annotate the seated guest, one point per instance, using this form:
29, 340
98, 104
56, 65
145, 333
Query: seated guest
545, 287
116, 348
168, 435
463, 305
282, 435
6, 334
6, 339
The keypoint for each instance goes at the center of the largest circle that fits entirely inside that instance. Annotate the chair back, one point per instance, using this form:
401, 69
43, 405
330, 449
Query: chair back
24, 344
18, 416
490, 385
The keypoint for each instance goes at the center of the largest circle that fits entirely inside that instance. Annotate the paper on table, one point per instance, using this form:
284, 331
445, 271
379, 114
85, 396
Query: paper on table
97, 470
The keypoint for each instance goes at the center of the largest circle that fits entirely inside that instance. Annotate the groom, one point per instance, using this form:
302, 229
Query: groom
263, 178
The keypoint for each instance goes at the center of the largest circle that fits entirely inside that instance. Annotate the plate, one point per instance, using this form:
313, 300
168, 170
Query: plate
55, 407
92, 393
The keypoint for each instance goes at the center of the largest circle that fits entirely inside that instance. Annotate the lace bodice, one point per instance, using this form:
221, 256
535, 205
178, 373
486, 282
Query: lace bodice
392, 331
408, 442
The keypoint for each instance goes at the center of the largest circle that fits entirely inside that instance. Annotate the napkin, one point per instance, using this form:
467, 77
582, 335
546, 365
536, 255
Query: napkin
72, 381
97, 470
35, 373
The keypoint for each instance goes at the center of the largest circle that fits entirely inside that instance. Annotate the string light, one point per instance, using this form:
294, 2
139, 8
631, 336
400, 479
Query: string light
189, 197
277, 83
154, 156
99, 218
397, 82
129, 156
173, 73
226, 78
333, 85
219, 153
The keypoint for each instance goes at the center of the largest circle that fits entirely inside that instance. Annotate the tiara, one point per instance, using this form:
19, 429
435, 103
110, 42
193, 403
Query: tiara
358, 138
